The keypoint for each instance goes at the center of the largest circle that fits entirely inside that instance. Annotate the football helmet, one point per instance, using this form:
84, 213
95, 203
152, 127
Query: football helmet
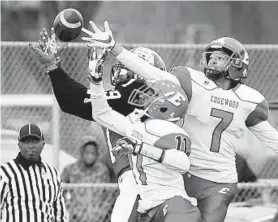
237, 64
161, 99
122, 75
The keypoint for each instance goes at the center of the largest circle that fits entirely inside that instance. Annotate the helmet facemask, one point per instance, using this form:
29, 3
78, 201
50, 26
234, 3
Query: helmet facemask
160, 100
122, 75
142, 97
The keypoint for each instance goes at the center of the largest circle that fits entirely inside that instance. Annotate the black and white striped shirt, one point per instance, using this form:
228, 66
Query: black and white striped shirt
31, 192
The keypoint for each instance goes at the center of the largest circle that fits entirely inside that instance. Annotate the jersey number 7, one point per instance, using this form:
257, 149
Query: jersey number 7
226, 119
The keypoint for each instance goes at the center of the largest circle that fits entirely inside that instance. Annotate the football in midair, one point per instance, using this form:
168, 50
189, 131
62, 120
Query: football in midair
68, 24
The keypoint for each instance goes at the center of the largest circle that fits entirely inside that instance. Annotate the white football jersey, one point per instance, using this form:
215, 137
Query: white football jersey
156, 182
215, 121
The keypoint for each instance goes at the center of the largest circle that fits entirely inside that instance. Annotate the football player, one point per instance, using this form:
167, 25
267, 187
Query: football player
220, 108
158, 147
74, 98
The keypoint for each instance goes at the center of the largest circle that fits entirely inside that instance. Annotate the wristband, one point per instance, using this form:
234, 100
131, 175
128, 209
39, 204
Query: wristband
149, 151
116, 50
51, 67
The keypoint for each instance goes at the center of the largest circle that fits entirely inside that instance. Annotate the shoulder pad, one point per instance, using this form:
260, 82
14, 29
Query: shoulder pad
160, 127
249, 94
169, 135
179, 69
184, 77
200, 79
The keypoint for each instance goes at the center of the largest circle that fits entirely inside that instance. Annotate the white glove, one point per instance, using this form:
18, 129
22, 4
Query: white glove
47, 50
97, 56
103, 39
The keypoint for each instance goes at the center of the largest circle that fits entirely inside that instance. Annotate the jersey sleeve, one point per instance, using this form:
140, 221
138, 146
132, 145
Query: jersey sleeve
104, 114
74, 98
259, 114
176, 160
171, 158
184, 77
70, 94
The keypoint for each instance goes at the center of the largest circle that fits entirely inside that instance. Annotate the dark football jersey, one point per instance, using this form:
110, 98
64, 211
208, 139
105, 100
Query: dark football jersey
74, 98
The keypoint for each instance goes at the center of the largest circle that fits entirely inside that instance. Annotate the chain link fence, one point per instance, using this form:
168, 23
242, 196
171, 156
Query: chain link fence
90, 202
21, 74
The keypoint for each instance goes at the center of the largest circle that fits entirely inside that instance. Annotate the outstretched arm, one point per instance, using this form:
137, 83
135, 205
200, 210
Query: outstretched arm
131, 61
140, 66
72, 97
102, 112
179, 75
257, 123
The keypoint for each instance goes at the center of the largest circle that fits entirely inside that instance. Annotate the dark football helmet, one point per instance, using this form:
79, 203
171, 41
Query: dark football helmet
161, 99
122, 75
238, 59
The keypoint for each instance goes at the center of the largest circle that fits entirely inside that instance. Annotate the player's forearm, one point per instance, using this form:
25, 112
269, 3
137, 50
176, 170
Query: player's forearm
173, 159
266, 134
103, 113
140, 66
70, 94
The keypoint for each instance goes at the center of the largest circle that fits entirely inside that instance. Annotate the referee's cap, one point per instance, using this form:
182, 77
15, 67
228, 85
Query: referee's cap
30, 130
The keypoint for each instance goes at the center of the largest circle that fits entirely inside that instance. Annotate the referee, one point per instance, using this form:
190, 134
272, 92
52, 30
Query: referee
30, 188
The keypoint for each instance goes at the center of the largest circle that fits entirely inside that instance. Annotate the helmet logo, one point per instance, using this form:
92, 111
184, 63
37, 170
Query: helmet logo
237, 63
176, 99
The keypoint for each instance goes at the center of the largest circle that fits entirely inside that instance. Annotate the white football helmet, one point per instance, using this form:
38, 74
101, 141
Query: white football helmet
161, 99
122, 75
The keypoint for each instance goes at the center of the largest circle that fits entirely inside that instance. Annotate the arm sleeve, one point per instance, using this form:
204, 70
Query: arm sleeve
61, 213
142, 67
266, 134
104, 114
70, 94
